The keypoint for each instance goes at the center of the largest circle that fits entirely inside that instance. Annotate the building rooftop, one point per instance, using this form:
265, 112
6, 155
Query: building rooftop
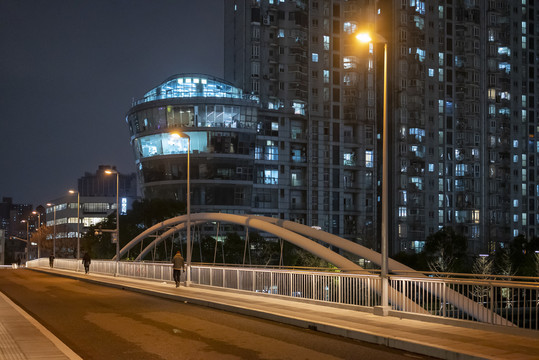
192, 85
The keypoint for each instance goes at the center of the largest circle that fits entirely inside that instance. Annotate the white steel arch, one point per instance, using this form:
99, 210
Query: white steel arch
293, 232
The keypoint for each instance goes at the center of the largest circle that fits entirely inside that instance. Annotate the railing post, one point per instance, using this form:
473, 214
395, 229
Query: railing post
339, 297
492, 303
443, 295
290, 280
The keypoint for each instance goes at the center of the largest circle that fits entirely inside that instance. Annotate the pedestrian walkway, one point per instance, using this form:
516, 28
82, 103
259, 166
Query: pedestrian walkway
446, 341
22, 337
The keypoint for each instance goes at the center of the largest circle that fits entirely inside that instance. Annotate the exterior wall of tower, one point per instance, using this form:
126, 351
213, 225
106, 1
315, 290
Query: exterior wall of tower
462, 114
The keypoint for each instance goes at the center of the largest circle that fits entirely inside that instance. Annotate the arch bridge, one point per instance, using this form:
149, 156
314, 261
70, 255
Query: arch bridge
308, 239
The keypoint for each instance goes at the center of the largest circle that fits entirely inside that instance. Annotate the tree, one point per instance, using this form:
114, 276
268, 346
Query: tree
264, 251
445, 250
142, 216
43, 237
522, 254
483, 265
233, 248
414, 260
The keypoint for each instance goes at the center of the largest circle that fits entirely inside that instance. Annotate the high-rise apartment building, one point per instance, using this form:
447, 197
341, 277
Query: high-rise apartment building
462, 115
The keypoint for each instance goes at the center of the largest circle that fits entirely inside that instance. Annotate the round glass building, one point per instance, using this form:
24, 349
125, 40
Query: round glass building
221, 124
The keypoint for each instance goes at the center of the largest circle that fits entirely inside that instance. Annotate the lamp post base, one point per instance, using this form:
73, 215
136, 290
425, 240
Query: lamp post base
381, 310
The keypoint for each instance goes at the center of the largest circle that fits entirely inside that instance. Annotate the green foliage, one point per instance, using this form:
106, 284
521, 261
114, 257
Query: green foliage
264, 252
522, 255
445, 251
143, 215
414, 260
149, 212
234, 246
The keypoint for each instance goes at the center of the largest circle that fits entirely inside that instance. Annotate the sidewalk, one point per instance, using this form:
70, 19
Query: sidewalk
428, 338
22, 337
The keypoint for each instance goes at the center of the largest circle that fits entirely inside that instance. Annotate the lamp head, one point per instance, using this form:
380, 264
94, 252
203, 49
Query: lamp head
364, 37
179, 135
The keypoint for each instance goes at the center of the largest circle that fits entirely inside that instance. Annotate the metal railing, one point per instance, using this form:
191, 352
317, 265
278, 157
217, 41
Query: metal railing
329, 287
507, 303
516, 303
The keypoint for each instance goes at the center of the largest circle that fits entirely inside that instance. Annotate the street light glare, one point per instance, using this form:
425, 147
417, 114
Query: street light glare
179, 135
364, 37
72, 192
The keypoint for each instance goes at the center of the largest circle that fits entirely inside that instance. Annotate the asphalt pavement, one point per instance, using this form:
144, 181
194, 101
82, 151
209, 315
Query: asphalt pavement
429, 336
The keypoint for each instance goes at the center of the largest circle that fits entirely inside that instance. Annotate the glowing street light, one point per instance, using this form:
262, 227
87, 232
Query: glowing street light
78, 221
188, 258
367, 38
110, 172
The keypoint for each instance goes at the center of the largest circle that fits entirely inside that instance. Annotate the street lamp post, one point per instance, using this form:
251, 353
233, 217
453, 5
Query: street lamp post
385, 187
188, 258
27, 239
38, 226
110, 171
78, 221
54, 227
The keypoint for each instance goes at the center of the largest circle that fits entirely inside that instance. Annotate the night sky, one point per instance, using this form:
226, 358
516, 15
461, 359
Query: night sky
69, 70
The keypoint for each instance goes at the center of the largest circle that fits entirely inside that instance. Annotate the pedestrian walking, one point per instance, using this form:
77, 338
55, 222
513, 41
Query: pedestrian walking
86, 261
178, 267
51, 260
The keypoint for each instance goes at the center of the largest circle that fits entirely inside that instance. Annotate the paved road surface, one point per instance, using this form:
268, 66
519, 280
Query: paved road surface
99, 322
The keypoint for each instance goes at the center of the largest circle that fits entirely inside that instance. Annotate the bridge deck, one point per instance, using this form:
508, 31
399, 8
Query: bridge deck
423, 337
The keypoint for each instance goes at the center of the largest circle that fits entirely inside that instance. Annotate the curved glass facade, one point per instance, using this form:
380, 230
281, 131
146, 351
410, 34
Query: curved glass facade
202, 142
192, 85
222, 127
164, 117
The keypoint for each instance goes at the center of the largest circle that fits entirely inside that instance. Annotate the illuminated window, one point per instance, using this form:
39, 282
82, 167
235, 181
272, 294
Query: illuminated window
326, 76
504, 50
349, 27
349, 159
299, 108
369, 159
349, 62
403, 212
326, 42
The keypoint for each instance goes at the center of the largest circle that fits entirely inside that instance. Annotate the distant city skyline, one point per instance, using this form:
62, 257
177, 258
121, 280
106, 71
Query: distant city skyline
70, 71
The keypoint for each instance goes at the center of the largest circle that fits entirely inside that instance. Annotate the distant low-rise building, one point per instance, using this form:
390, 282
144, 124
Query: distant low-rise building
92, 202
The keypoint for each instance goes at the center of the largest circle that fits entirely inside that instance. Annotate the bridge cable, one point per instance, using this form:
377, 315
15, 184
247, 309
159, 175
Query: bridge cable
200, 242
215, 250
245, 246
281, 256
